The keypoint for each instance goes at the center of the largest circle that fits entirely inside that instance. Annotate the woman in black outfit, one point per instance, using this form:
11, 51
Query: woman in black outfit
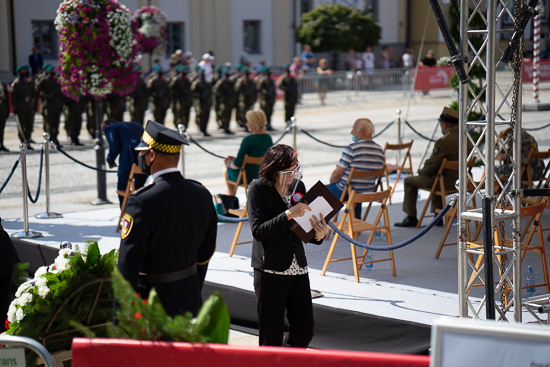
281, 278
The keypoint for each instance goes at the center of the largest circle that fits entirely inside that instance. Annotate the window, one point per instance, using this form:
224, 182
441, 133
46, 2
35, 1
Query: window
305, 6
45, 37
251, 33
175, 37
371, 7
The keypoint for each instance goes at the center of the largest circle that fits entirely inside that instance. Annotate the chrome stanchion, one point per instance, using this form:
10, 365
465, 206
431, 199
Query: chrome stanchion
293, 126
399, 138
181, 130
47, 214
25, 233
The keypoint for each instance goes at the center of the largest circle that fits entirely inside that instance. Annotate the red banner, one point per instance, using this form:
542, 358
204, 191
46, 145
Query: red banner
437, 77
544, 71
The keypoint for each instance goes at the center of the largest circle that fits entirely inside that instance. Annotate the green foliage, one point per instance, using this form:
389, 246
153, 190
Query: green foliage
66, 292
147, 320
338, 28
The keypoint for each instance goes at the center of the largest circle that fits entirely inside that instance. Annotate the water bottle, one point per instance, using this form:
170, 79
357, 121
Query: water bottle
530, 281
369, 266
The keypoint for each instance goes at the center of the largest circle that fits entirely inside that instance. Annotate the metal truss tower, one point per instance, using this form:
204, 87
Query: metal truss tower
494, 90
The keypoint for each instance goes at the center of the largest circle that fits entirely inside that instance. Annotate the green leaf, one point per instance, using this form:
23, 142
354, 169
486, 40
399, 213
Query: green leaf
93, 253
213, 320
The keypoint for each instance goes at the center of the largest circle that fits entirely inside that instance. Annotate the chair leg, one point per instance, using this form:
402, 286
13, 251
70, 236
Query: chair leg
428, 201
354, 259
236, 238
330, 252
448, 226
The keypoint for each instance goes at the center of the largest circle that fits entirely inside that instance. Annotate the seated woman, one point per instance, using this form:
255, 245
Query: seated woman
528, 143
255, 145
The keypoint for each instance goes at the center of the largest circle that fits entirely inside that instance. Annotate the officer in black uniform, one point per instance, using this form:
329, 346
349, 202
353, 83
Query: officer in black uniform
169, 227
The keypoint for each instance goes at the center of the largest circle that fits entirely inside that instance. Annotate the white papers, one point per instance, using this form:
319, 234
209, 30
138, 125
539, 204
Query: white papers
318, 206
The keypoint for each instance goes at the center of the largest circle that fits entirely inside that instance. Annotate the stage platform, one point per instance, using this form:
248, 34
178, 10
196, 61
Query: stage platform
381, 313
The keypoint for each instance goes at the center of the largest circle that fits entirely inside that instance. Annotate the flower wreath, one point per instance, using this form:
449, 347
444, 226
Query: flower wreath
151, 37
97, 53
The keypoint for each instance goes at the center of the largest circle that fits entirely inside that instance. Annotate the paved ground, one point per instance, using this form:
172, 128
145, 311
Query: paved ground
73, 187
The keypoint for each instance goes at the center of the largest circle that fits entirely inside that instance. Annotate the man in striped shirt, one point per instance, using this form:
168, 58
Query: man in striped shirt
363, 154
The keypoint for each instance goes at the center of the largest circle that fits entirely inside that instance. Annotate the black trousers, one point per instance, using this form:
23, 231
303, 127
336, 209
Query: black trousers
274, 294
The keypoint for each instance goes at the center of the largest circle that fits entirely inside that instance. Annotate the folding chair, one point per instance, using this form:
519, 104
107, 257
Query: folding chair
543, 180
534, 212
130, 188
353, 228
403, 167
438, 187
242, 180
355, 174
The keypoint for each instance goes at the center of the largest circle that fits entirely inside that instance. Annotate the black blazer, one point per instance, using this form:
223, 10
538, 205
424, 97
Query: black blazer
274, 244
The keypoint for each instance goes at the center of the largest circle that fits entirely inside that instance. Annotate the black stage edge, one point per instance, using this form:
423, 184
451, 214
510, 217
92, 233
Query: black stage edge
334, 328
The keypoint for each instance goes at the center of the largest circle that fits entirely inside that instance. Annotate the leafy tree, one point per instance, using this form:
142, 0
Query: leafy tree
338, 28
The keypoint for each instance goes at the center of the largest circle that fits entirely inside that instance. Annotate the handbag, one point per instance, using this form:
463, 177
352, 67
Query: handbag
223, 203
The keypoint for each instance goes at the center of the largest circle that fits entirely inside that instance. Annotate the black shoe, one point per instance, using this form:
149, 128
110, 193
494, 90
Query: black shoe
29, 147
32, 141
407, 222
3, 148
205, 133
269, 128
229, 132
57, 143
76, 143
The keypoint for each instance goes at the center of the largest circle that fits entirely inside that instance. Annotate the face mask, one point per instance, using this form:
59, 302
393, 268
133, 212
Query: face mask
355, 140
143, 166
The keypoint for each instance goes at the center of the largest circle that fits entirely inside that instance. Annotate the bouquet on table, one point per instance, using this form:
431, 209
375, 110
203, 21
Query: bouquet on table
97, 55
151, 37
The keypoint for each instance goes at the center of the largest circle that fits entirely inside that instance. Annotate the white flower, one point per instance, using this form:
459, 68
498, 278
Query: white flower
22, 288
43, 291
11, 311
61, 263
25, 299
65, 252
19, 315
40, 271
40, 282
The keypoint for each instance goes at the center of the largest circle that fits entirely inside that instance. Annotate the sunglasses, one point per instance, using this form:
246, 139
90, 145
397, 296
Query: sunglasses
292, 171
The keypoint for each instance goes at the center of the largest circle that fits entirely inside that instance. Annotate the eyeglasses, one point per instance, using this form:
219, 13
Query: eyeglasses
292, 171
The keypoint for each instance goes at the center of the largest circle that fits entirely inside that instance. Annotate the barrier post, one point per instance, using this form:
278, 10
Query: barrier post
293, 126
399, 138
100, 157
181, 130
47, 214
25, 233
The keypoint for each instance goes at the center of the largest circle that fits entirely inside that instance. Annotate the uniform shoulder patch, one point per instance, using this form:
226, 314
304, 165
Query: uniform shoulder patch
127, 223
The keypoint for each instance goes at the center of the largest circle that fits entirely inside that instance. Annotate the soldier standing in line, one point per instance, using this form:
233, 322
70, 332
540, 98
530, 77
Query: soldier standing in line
138, 99
49, 90
157, 86
289, 85
90, 105
4, 113
24, 103
224, 90
116, 106
180, 90
266, 87
245, 90
202, 100
217, 101
73, 110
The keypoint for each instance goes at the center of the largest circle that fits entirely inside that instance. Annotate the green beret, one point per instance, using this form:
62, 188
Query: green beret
21, 68
48, 67
244, 69
264, 69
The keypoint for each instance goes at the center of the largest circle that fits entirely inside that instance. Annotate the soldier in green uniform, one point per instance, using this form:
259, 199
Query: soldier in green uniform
116, 106
157, 86
245, 90
217, 102
49, 90
289, 85
24, 103
445, 147
266, 88
180, 91
73, 110
138, 99
4, 113
224, 91
202, 100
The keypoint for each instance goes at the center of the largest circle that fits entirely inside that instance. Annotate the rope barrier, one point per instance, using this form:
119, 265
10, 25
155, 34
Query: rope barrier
363, 245
287, 129
11, 174
320, 141
384, 129
416, 132
204, 149
39, 179
62, 151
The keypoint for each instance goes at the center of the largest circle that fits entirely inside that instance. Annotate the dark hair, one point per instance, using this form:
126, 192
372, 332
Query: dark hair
278, 158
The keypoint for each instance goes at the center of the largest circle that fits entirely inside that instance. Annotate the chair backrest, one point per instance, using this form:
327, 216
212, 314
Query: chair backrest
368, 197
242, 180
399, 147
357, 173
526, 172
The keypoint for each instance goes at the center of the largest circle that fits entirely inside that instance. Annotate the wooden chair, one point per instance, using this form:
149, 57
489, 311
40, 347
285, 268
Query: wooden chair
438, 187
534, 212
353, 227
405, 149
526, 174
130, 188
356, 174
242, 180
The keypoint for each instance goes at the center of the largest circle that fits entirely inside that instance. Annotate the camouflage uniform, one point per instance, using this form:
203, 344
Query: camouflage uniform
24, 103
202, 101
245, 89
90, 105
266, 87
73, 118
49, 90
180, 90
224, 91
4, 113
138, 101
289, 85
157, 87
